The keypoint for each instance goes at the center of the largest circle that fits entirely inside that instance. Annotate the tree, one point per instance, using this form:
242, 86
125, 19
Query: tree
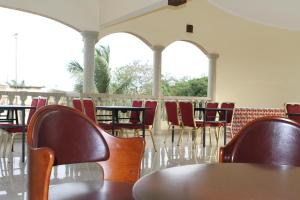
102, 70
185, 87
15, 84
134, 78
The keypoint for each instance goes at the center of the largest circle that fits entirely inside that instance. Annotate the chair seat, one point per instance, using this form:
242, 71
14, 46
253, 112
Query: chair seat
13, 128
91, 190
106, 126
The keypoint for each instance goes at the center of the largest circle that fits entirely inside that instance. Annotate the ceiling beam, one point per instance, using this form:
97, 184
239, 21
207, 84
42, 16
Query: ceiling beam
176, 2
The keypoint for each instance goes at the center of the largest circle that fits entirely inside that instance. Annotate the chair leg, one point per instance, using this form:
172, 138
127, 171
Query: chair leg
217, 134
10, 147
180, 136
209, 135
153, 140
5, 140
195, 138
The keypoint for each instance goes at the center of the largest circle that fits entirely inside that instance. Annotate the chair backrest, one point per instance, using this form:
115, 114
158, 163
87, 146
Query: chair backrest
293, 108
34, 103
172, 112
150, 113
77, 104
229, 113
41, 102
89, 109
211, 114
60, 135
267, 140
125, 158
73, 137
135, 115
187, 114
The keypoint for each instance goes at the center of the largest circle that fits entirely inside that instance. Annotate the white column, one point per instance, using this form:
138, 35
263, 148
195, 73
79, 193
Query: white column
89, 40
157, 58
211, 89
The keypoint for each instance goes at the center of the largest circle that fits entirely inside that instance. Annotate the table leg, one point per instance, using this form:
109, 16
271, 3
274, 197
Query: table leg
143, 123
113, 122
225, 127
204, 123
23, 135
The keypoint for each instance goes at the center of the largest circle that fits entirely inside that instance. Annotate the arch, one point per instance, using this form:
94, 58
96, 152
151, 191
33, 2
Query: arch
192, 42
187, 65
41, 15
130, 33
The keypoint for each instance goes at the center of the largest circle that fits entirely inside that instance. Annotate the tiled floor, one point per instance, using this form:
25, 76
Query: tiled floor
13, 173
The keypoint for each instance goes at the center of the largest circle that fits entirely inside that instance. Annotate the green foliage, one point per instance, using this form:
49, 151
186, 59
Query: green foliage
184, 87
134, 78
102, 71
77, 73
14, 84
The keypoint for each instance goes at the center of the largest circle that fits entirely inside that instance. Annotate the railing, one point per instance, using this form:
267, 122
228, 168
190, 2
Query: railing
65, 98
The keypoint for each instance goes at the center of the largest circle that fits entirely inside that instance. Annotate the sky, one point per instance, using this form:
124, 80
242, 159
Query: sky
39, 49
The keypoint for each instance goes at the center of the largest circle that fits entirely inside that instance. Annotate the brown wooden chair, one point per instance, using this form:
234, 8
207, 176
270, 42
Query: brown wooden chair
62, 135
267, 140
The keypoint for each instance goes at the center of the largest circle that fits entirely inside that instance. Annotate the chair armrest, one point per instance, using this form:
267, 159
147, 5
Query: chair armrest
39, 170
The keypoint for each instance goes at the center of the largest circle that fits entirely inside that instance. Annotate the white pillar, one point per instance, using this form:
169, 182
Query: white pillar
89, 40
157, 58
211, 89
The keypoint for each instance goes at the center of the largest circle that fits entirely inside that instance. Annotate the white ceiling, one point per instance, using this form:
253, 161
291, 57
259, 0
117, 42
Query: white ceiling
278, 13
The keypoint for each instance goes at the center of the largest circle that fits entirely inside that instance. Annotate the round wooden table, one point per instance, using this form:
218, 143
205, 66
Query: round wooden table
220, 181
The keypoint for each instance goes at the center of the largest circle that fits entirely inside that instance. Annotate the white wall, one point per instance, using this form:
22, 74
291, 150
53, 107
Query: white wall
259, 66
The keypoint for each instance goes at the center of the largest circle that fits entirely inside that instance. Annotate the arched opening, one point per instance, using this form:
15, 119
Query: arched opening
184, 70
130, 63
35, 52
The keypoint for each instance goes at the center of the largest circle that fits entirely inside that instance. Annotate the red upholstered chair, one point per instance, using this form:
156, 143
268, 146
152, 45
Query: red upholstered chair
211, 114
148, 121
293, 111
224, 115
41, 102
77, 104
13, 131
90, 111
62, 135
134, 116
267, 140
172, 116
187, 120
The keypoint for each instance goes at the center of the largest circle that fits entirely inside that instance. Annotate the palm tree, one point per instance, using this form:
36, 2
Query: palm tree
102, 70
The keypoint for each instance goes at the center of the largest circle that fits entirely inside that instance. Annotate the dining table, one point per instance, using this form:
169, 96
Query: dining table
9, 123
115, 118
204, 110
227, 181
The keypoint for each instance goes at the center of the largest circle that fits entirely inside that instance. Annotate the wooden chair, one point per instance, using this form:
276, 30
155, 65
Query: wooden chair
61, 135
267, 140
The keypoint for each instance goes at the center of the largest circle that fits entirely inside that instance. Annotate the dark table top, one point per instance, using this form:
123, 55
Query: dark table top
220, 181
121, 108
12, 107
